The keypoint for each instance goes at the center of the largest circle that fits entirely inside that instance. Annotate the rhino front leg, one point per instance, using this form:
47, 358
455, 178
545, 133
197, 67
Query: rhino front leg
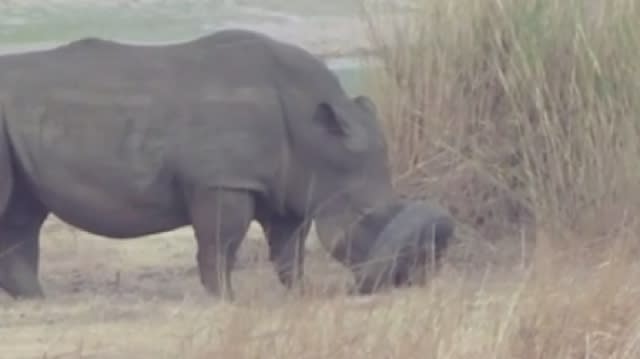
220, 220
286, 236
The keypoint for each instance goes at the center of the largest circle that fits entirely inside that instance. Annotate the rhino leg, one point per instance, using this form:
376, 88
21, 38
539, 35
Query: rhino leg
19, 265
286, 237
220, 219
21, 217
366, 285
20, 246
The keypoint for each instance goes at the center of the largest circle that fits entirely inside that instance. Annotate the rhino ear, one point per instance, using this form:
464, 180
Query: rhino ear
330, 119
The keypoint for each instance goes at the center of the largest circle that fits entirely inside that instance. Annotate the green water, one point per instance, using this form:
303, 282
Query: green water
351, 79
31, 23
44, 21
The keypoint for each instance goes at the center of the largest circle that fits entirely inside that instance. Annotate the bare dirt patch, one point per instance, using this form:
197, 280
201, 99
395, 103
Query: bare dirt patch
142, 298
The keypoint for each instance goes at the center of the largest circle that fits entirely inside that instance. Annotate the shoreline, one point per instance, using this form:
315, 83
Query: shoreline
335, 59
341, 55
326, 36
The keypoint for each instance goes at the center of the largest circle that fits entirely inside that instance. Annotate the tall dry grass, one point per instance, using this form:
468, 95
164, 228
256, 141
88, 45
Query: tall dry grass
531, 103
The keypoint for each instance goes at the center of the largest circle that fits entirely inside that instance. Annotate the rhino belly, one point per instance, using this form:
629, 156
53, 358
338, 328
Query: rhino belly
116, 211
121, 197
97, 161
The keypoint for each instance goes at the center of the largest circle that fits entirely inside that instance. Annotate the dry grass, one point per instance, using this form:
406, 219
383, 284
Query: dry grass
515, 112
523, 115
520, 105
481, 306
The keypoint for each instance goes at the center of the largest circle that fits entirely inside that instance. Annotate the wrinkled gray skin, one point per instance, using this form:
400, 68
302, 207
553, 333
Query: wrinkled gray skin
127, 140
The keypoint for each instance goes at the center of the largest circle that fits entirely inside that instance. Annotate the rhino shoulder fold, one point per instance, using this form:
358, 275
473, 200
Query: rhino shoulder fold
6, 171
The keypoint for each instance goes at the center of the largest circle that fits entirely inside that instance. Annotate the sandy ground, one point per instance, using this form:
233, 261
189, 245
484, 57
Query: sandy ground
96, 286
142, 298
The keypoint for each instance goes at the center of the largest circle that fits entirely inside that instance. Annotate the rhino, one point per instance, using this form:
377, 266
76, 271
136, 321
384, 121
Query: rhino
124, 140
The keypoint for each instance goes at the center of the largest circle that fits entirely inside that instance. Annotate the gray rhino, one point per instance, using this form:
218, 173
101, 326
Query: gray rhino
125, 140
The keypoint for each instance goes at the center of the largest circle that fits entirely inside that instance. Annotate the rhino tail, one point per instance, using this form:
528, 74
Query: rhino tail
6, 167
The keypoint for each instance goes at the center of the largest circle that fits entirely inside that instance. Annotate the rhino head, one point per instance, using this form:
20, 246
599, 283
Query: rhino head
415, 235
359, 219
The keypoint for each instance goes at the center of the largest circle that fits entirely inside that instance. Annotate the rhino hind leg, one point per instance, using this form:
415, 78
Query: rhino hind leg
368, 284
286, 236
220, 220
20, 245
18, 271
